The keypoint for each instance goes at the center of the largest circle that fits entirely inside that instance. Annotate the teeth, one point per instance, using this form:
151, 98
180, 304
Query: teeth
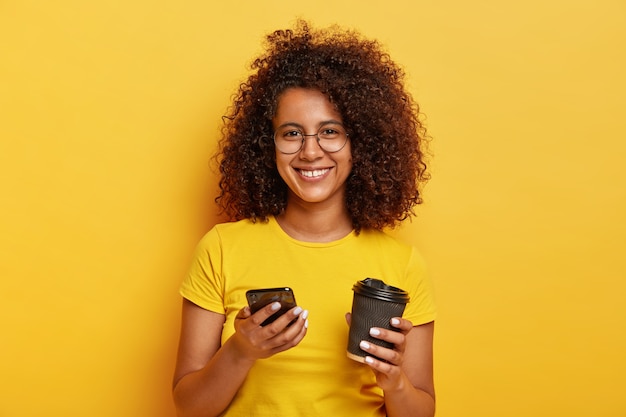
314, 173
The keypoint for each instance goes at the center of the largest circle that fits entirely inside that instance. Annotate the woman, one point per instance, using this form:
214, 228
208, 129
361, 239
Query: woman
322, 149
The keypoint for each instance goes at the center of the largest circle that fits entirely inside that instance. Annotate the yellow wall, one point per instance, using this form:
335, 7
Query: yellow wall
109, 110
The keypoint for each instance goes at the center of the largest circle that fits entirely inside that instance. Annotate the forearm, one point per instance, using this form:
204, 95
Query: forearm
208, 391
408, 400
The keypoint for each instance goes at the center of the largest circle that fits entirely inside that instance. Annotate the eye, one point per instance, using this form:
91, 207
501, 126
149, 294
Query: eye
291, 134
329, 133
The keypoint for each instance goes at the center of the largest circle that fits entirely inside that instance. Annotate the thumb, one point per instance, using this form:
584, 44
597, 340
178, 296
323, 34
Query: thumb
244, 313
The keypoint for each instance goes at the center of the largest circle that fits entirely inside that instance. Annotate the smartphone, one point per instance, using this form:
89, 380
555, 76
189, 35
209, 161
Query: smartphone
259, 298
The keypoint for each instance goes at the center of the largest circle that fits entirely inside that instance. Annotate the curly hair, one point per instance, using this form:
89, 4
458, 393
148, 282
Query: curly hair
387, 137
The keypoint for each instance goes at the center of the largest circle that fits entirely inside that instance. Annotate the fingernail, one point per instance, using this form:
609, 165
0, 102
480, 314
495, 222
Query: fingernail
305, 314
306, 324
297, 311
395, 322
369, 359
275, 306
374, 332
364, 345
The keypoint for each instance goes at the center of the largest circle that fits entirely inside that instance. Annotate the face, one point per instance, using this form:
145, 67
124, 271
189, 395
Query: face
312, 175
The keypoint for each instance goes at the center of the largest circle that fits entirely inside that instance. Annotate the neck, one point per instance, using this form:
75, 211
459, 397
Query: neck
319, 225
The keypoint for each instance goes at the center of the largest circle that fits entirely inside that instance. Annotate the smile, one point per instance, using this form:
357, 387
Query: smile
313, 174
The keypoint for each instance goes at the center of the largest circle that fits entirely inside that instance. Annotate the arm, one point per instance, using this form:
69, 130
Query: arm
407, 379
208, 376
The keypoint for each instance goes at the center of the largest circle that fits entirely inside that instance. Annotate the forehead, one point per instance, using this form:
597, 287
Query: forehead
304, 107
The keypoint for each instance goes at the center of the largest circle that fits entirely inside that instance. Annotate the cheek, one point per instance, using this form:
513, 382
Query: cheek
282, 165
348, 158
349, 151
350, 166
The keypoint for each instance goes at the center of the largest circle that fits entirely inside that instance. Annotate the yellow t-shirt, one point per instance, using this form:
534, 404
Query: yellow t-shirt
315, 378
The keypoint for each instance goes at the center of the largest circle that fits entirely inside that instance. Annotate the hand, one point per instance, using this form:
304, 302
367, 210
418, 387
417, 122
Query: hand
389, 374
255, 342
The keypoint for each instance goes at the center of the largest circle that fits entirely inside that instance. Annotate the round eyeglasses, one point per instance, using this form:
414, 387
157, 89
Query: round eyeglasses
330, 137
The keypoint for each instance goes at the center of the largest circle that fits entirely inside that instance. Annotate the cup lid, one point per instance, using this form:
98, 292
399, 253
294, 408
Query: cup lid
375, 288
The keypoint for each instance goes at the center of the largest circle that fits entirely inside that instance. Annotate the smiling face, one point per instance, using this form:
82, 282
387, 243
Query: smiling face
312, 175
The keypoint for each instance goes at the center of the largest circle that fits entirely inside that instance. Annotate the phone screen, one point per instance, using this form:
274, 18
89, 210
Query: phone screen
259, 298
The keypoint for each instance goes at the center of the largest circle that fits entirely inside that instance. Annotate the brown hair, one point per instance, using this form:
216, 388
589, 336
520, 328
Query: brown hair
387, 137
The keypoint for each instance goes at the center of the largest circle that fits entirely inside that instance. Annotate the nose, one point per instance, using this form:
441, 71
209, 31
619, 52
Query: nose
311, 149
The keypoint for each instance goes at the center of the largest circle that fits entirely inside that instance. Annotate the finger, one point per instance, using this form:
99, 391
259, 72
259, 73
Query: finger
302, 330
388, 375
261, 315
291, 315
291, 335
349, 318
397, 338
290, 343
402, 324
391, 356
244, 313
381, 366
285, 321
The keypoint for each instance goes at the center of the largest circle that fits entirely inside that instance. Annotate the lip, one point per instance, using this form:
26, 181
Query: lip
313, 174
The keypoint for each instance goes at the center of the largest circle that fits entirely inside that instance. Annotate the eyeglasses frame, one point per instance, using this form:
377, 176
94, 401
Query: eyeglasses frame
317, 137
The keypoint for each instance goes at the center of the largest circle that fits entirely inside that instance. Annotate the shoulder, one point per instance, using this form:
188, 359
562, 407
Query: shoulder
235, 228
383, 239
233, 232
385, 246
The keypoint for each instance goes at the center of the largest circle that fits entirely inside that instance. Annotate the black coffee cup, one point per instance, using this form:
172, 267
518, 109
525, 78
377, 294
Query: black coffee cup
374, 305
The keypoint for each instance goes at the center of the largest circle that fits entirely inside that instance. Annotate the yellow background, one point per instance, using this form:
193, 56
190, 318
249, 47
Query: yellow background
109, 111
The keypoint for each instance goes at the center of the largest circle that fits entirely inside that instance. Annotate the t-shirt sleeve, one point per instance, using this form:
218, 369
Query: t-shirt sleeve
421, 307
203, 285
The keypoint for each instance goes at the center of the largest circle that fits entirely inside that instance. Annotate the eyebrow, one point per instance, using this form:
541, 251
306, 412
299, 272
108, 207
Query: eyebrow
324, 123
